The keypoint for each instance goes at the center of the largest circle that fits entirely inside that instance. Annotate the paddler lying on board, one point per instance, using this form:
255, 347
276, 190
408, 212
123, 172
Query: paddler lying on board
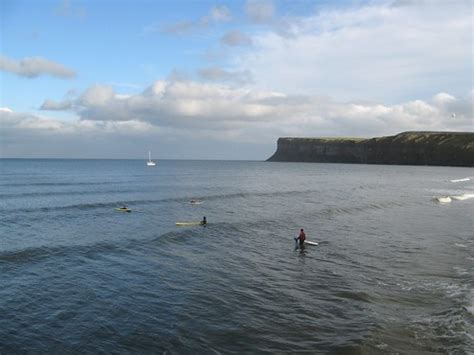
301, 238
123, 209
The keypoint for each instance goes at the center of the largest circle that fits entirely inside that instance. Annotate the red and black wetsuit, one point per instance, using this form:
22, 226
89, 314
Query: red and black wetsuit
302, 238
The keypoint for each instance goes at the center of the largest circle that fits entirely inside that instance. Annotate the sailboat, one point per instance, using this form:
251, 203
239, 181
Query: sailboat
150, 162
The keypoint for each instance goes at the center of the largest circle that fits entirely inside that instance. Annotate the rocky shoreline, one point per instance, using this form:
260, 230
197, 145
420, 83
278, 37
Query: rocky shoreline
407, 148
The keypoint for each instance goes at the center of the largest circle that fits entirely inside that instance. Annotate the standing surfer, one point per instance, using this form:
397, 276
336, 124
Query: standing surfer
301, 238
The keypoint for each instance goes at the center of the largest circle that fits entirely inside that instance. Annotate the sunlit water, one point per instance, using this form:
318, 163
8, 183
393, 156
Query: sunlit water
393, 271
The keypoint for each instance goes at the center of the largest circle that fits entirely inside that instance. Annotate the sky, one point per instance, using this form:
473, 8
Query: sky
225, 79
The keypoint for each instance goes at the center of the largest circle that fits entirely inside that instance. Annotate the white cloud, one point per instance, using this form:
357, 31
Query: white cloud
215, 15
375, 52
52, 105
236, 38
97, 95
34, 67
176, 28
260, 10
191, 105
229, 120
443, 98
66, 9
39, 124
222, 75
220, 13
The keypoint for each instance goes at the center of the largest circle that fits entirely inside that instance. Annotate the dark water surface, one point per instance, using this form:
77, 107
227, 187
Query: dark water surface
393, 272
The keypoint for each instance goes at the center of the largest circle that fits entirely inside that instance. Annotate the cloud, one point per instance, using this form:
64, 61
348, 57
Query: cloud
190, 105
67, 10
126, 85
215, 15
236, 38
220, 13
34, 67
221, 75
375, 52
52, 105
30, 124
231, 121
97, 95
181, 27
28, 135
260, 11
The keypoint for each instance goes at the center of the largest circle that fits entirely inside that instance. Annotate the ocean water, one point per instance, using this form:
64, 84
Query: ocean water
393, 272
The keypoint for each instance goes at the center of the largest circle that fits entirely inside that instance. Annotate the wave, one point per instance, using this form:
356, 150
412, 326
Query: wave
448, 198
98, 205
62, 193
139, 206
460, 180
354, 296
123, 246
184, 199
44, 252
463, 197
21, 184
358, 209
470, 303
443, 199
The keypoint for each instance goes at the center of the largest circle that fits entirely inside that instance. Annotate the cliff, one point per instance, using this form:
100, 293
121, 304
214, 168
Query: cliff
407, 148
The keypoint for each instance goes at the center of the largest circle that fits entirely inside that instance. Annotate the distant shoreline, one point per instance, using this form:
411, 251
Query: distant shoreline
407, 148
134, 159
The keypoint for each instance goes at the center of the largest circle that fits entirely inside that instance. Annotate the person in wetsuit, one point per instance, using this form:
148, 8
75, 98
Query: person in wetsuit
204, 221
301, 238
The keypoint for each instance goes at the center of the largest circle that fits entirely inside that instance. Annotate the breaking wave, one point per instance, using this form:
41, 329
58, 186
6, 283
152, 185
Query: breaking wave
460, 180
443, 199
463, 197
450, 198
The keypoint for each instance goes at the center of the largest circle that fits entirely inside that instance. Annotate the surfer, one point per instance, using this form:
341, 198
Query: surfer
123, 209
301, 238
204, 221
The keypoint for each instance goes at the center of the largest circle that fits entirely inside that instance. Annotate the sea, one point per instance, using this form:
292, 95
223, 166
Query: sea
392, 273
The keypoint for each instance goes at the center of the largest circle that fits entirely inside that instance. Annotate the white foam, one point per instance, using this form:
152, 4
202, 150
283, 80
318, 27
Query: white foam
461, 271
444, 199
470, 307
460, 180
463, 197
454, 290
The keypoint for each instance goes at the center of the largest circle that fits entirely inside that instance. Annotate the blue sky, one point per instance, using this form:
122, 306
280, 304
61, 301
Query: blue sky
224, 79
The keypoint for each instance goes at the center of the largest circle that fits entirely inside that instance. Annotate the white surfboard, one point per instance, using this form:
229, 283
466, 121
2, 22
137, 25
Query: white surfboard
188, 223
311, 243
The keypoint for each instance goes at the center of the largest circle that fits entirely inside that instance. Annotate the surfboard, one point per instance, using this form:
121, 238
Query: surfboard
188, 223
311, 243
123, 209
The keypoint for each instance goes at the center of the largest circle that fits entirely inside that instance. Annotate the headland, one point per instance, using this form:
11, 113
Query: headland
406, 148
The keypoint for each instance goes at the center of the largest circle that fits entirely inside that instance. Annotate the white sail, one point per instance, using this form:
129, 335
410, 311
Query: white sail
150, 162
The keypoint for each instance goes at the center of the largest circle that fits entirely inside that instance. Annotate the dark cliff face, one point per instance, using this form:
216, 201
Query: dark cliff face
408, 148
